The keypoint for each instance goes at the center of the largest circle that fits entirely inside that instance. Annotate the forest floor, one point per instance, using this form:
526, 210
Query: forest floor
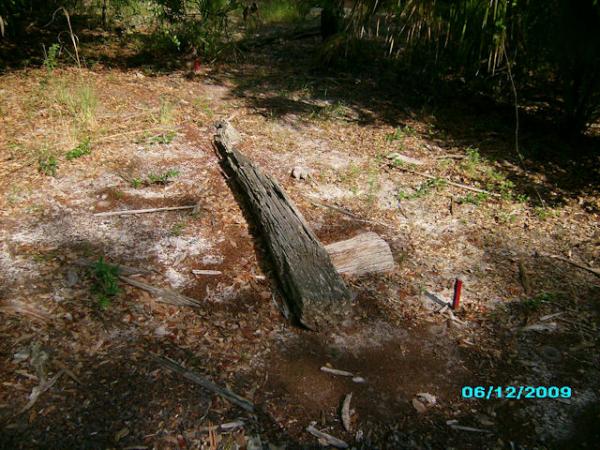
141, 138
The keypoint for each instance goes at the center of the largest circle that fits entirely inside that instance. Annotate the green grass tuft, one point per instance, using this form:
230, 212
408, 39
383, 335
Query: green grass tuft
84, 148
105, 282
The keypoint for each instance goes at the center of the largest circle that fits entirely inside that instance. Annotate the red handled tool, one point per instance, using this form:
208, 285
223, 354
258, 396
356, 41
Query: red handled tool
457, 290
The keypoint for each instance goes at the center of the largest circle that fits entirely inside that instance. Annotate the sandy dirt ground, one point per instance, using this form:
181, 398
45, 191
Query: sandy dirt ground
526, 319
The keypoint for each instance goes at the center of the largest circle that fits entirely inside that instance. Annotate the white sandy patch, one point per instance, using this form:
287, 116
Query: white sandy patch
332, 192
172, 250
176, 279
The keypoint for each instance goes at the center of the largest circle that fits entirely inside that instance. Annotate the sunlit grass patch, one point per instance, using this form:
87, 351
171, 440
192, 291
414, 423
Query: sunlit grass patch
166, 113
79, 101
281, 11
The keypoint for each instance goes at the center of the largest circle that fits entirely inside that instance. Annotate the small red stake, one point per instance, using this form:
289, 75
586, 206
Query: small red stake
457, 290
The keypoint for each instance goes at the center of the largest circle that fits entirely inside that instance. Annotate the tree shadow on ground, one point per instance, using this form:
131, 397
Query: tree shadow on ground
285, 82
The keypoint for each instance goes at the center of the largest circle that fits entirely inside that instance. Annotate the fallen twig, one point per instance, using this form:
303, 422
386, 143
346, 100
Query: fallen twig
206, 272
224, 427
346, 412
581, 266
451, 183
450, 156
39, 390
454, 425
142, 211
164, 295
342, 373
326, 438
68, 371
206, 384
18, 307
349, 214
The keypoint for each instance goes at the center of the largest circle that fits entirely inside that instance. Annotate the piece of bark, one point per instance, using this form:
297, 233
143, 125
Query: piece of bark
345, 413
206, 384
332, 371
164, 295
315, 292
365, 253
206, 272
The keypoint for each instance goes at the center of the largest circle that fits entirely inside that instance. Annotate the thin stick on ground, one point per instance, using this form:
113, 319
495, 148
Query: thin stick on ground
573, 263
451, 183
142, 211
39, 390
206, 384
349, 214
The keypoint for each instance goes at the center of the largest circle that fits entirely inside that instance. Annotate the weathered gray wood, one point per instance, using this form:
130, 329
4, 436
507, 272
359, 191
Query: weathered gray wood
365, 253
163, 295
314, 291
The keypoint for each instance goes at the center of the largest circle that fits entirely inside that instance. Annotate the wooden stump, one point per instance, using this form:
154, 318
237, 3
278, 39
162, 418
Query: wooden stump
313, 289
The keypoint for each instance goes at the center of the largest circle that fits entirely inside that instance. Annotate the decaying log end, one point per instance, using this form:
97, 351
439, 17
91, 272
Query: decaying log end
313, 289
226, 136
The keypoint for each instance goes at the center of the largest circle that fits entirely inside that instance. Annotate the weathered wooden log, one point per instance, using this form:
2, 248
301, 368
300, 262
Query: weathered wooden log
314, 291
365, 253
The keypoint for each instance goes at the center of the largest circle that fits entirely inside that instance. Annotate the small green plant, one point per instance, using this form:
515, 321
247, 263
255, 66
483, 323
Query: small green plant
136, 183
84, 148
48, 165
400, 133
164, 178
474, 199
424, 189
204, 106
543, 212
178, 228
374, 186
51, 57
534, 303
472, 161
337, 110
521, 198
163, 138
350, 175
105, 282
